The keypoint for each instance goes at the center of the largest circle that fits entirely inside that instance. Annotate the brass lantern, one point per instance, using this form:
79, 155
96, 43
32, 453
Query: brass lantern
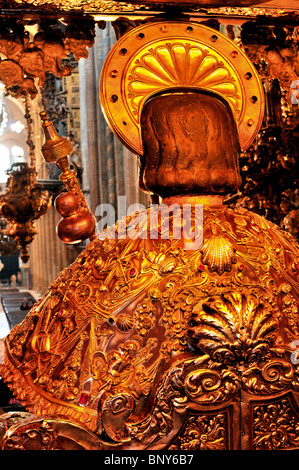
23, 203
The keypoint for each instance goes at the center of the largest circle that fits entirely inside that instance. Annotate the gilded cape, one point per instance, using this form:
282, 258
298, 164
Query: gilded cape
133, 315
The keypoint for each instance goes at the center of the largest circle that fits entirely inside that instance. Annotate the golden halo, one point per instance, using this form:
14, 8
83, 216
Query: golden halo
156, 57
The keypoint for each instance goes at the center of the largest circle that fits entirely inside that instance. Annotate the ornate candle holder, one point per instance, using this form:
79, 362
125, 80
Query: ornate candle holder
24, 202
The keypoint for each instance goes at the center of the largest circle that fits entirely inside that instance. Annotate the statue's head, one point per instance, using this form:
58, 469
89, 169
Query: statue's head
191, 145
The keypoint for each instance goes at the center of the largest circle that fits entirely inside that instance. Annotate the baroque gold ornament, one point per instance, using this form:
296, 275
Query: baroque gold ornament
175, 328
175, 54
242, 8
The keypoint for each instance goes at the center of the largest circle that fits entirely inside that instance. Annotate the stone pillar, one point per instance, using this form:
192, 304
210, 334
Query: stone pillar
48, 255
92, 132
83, 130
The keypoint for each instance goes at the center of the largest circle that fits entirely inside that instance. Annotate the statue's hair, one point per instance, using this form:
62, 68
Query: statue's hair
190, 144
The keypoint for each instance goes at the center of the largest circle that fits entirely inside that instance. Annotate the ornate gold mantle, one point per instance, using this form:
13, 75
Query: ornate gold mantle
127, 323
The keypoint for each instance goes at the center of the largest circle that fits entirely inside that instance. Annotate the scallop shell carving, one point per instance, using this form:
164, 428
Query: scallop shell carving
125, 322
168, 265
218, 253
234, 324
180, 64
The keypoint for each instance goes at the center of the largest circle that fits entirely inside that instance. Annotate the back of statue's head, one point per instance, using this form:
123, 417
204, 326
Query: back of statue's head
190, 144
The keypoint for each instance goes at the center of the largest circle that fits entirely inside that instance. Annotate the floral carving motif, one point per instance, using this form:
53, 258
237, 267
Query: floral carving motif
275, 427
204, 433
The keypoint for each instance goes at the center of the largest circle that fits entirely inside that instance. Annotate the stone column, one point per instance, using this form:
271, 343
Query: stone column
83, 130
92, 132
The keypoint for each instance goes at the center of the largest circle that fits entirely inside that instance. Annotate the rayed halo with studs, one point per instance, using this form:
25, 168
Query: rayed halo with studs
174, 55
